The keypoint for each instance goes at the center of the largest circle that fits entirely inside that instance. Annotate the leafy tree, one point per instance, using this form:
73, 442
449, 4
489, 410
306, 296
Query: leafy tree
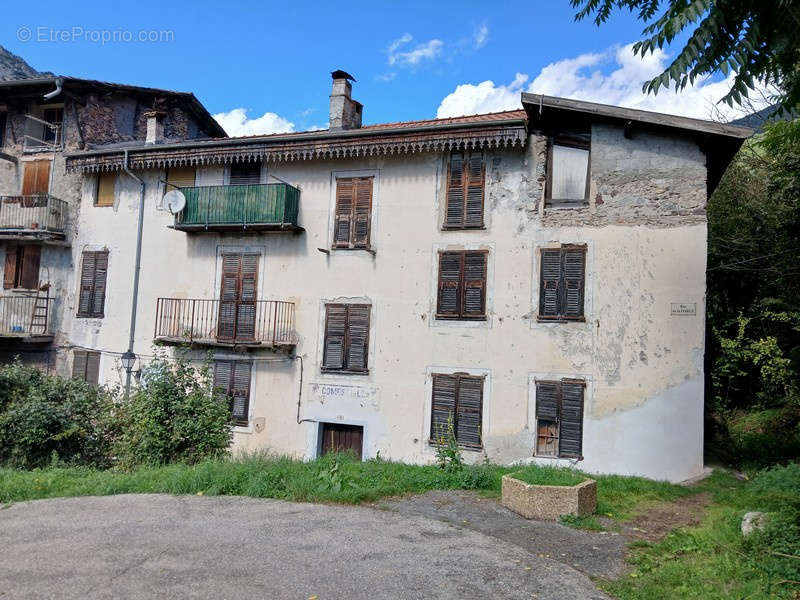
756, 39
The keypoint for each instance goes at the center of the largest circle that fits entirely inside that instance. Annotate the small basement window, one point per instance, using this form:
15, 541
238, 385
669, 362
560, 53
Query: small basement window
568, 168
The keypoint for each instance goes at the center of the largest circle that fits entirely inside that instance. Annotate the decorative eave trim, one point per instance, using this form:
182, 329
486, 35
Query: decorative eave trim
287, 150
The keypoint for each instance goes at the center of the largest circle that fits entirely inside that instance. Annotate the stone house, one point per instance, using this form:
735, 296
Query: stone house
41, 119
533, 279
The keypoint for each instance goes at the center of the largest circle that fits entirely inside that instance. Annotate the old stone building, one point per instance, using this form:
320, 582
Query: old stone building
42, 118
534, 279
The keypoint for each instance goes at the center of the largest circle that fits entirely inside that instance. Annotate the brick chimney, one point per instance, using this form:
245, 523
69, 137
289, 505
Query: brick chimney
345, 112
155, 126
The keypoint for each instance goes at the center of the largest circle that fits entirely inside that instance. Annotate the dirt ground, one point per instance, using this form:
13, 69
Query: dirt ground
657, 521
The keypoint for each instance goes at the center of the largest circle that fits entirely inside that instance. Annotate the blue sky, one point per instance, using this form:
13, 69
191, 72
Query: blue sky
412, 60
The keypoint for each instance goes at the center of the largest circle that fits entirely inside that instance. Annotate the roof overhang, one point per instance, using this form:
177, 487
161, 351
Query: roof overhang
310, 145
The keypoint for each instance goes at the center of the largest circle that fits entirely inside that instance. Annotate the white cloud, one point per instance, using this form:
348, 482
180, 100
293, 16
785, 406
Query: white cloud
426, 51
386, 77
236, 122
587, 77
481, 36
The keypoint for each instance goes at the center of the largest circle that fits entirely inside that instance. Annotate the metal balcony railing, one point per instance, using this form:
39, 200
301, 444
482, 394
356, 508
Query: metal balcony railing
25, 316
223, 322
260, 207
41, 213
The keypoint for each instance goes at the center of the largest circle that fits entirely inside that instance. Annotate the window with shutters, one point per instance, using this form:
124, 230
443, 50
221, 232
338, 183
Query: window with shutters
36, 178
458, 399
562, 283
105, 189
92, 297
353, 213
462, 285
245, 173
568, 168
465, 181
86, 366
346, 345
22, 266
232, 378
179, 177
559, 418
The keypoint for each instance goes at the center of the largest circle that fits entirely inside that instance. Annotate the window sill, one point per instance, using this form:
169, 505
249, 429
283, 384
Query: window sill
459, 318
372, 251
464, 227
541, 319
566, 204
87, 316
342, 372
551, 457
467, 447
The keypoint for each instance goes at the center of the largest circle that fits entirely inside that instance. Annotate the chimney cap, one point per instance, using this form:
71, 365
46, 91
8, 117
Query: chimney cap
339, 74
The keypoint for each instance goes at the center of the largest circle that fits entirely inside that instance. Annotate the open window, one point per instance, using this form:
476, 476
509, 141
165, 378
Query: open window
22, 266
559, 418
568, 167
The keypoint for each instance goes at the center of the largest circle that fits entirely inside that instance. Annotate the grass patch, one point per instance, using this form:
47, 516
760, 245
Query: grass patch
536, 475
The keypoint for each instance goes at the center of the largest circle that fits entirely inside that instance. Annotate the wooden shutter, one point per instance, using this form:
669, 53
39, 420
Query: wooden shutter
92, 368
181, 177
222, 377
571, 419
31, 256
87, 284
454, 216
246, 173
443, 404
246, 305
99, 293
228, 295
357, 342
92, 298
473, 210
448, 303
343, 226
469, 410
548, 400
10, 273
362, 212
106, 182
240, 392
335, 333
474, 287
550, 283
574, 277
79, 358
36, 178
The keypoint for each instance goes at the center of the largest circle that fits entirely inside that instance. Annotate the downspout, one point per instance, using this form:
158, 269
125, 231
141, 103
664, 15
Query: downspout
137, 268
55, 92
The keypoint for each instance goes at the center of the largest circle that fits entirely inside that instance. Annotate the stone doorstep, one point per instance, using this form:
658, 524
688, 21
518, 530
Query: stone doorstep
549, 502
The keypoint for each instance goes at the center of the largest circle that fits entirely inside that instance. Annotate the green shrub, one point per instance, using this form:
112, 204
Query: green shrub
174, 415
46, 419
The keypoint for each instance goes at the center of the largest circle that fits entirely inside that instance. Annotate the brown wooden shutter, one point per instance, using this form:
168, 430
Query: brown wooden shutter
240, 392
335, 333
570, 444
99, 292
548, 400
181, 177
448, 303
469, 410
343, 225
362, 212
92, 368
473, 211
87, 284
36, 178
443, 404
474, 303
10, 273
357, 344
106, 184
79, 359
31, 256
550, 283
228, 295
454, 213
574, 276
222, 377
246, 305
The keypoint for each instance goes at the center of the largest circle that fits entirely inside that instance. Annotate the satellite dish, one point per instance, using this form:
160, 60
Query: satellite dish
174, 200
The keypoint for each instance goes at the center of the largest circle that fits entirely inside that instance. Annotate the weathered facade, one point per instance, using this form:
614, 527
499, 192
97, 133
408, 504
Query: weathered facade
40, 120
534, 279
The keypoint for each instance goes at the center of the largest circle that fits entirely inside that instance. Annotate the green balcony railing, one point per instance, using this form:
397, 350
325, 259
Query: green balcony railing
261, 207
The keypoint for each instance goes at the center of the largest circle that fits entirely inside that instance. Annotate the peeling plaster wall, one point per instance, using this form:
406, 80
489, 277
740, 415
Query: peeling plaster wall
643, 411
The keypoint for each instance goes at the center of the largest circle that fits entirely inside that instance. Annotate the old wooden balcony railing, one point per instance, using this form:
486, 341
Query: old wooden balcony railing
40, 215
25, 317
265, 323
260, 207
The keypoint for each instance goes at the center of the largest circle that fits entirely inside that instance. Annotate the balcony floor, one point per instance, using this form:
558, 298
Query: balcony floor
27, 338
38, 235
239, 227
250, 344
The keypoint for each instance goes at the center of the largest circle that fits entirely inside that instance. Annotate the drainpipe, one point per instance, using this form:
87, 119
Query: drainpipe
137, 268
55, 92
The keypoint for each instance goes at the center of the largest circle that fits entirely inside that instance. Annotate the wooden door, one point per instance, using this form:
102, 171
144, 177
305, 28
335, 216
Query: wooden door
237, 297
341, 438
36, 178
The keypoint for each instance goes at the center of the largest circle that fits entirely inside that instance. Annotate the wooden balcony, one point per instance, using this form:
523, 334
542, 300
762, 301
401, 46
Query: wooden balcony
249, 324
25, 318
40, 217
241, 208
